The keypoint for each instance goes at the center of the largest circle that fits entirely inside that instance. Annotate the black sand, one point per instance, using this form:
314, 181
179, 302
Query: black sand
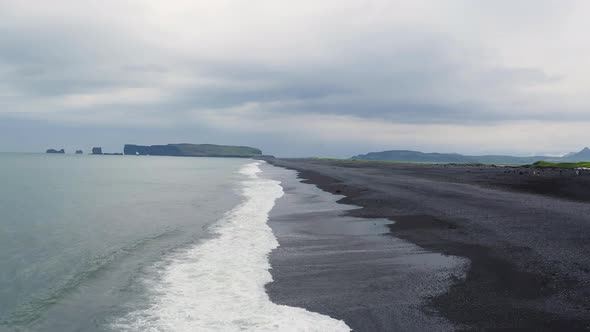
526, 238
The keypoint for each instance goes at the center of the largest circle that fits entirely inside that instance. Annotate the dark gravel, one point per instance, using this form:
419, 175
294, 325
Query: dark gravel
527, 237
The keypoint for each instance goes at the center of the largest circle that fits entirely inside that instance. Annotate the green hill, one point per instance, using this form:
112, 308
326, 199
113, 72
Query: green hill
544, 164
416, 156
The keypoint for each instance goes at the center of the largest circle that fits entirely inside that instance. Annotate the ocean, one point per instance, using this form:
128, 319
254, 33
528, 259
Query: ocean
130, 243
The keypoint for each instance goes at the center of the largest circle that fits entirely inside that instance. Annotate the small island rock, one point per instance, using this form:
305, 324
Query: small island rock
62, 151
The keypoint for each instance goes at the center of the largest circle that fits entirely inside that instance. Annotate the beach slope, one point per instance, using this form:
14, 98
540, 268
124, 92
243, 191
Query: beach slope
525, 237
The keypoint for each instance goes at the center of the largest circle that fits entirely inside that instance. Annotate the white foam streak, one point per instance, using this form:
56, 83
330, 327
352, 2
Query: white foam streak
219, 285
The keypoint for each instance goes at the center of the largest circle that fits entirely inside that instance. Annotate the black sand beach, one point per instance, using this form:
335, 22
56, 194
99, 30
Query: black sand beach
522, 241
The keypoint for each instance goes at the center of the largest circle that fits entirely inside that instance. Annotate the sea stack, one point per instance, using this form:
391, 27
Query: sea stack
62, 151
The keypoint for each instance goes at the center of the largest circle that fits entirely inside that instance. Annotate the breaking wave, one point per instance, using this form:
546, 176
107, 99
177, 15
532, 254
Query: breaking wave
218, 285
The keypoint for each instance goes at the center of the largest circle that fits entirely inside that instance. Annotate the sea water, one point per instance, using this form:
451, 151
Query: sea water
126, 243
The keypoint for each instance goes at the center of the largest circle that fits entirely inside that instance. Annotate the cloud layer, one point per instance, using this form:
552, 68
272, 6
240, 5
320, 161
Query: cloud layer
305, 78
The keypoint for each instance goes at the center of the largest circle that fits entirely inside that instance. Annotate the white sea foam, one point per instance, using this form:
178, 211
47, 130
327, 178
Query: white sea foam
219, 285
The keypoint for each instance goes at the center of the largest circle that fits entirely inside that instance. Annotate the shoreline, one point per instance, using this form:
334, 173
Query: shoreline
349, 268
511, 282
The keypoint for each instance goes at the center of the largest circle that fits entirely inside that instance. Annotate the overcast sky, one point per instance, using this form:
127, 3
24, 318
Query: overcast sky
299, 78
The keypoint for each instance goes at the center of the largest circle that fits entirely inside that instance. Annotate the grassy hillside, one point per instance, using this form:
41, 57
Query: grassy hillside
545, 164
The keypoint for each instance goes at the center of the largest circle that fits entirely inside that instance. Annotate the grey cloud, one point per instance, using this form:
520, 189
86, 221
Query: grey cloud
388, 88
415, 82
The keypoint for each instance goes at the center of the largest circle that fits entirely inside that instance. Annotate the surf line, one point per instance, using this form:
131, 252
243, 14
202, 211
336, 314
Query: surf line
218, 285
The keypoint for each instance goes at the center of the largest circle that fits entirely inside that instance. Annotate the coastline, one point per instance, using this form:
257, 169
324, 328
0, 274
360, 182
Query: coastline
529, 258
349, 268
218, 284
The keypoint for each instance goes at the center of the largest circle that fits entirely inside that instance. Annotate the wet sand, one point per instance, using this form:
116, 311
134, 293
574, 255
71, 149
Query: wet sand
350, 268
522, 241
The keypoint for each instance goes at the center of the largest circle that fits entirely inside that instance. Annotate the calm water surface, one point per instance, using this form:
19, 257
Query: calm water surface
78, 232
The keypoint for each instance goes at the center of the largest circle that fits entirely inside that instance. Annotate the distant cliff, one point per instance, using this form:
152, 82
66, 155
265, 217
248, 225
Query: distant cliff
192, 150
62, 151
